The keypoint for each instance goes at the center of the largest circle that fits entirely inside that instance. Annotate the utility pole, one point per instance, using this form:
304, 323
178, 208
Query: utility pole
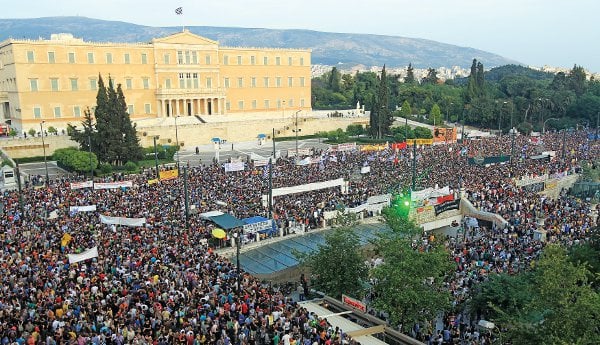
512, 145
186, 198
44, 147
273, 136
156, 157
406, 128
238, 243
414, 165
90, 153
270, 196
18, 171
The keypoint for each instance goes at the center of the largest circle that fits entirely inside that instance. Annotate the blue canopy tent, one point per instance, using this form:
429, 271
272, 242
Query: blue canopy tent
261, 136
216, 140
226, 221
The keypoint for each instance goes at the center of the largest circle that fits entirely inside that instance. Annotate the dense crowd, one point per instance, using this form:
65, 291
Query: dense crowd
163, 283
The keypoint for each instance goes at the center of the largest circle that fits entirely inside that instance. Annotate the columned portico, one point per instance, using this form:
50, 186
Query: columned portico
190, 102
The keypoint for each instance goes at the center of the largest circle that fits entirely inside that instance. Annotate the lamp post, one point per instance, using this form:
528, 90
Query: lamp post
283, 109
296, 131
544, 124
90, 153
448, 110
177, 141
237, 238
44, 147
156, 156
186, 198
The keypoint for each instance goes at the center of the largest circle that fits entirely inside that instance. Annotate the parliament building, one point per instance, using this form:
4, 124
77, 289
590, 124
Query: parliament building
182, 74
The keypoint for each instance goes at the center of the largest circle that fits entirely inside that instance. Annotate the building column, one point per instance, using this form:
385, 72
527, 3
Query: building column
163, 108
193, 106
177, 113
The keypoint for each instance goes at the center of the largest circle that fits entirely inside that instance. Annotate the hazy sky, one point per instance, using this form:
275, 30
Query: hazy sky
534, 32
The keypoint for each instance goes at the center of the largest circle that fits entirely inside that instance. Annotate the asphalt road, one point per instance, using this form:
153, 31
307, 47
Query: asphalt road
38, 168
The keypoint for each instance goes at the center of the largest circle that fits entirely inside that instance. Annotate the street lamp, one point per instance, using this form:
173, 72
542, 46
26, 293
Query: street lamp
177, 141
44, 147
544, 125
156, 156
512, 108
448, 110
283, 109
237, 238
296, 131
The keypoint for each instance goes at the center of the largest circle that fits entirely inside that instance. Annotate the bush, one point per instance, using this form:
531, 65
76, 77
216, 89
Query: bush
130, 167
72, 159
106, 168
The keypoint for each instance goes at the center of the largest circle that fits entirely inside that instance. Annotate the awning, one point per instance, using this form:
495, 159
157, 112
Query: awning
227, 221
261, 136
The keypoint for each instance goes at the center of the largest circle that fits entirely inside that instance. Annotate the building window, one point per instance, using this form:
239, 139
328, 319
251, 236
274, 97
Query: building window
278, 61
51, 58
147, 108
301, 61
195, 79
207, 60
30, 56
93, 84
74, 86
109, 58
279, 104
228, 106
166, 59
127, 58
254, 104
76, 111
181, 80
302, 81
37, 112
239, 60
241, 105
144, 58
209, 82
267, 105
146, 83
302, 103
253, 60
278, 81
194, 58
188, 58
180, 57
290, 81
128, 83
54, 84
167, 83
57, 112
226, 82
240, 82
225, 60
289, 61
130, 109
90, 57
266, 82
253, 82
291, 103
71, 57
265, 60
188, 78
33, 85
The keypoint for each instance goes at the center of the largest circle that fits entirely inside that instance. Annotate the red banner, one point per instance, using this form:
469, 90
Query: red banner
354, 303
443, 199
398, 146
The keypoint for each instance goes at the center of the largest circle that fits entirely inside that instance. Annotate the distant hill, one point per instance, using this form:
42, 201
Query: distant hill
327, 48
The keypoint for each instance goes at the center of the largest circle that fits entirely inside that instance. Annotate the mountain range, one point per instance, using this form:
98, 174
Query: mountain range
327, 48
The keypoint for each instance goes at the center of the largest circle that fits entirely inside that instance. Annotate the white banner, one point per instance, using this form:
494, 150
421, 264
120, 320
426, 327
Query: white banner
113, 185
235, 166
428, 193
365, 170
122, 221
301, 152
261, 162
87, 208
86, 254
308, 187
256, 227
79, 185
378, 199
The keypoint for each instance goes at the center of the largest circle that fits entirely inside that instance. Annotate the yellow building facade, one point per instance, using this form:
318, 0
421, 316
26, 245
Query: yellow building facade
182, 74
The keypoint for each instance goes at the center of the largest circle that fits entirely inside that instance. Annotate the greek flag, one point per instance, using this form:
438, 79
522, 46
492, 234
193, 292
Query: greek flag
179, 10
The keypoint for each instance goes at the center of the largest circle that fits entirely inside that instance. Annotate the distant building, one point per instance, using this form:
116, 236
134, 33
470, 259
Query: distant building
181, 74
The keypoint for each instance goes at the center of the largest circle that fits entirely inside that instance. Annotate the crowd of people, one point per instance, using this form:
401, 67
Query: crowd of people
163, 283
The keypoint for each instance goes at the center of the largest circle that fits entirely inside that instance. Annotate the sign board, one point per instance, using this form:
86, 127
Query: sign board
354, 303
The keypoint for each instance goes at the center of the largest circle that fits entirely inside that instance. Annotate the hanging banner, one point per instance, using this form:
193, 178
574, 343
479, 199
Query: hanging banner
86, 254
113, 185
301, 152
153, 181
365, 170
381, 147
447, 206
354, 303
79, 185
235, 166
122, 221
398, 146
168, 174
251, 228
444, 135
343, 147
410, 142
87, 208
261, 162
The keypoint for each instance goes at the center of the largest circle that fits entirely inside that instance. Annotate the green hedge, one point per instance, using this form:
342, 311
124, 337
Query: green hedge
34, 159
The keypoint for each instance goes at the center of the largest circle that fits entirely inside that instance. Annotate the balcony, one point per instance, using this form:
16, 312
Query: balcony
215, 92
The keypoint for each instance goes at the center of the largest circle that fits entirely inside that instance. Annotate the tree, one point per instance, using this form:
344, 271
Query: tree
480, 80
436, 115
338, 265
577, 81
405, 110
431, 77
410, 75
409, 283
354, 130
471, 91
130, 148
384, 116
334, 80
